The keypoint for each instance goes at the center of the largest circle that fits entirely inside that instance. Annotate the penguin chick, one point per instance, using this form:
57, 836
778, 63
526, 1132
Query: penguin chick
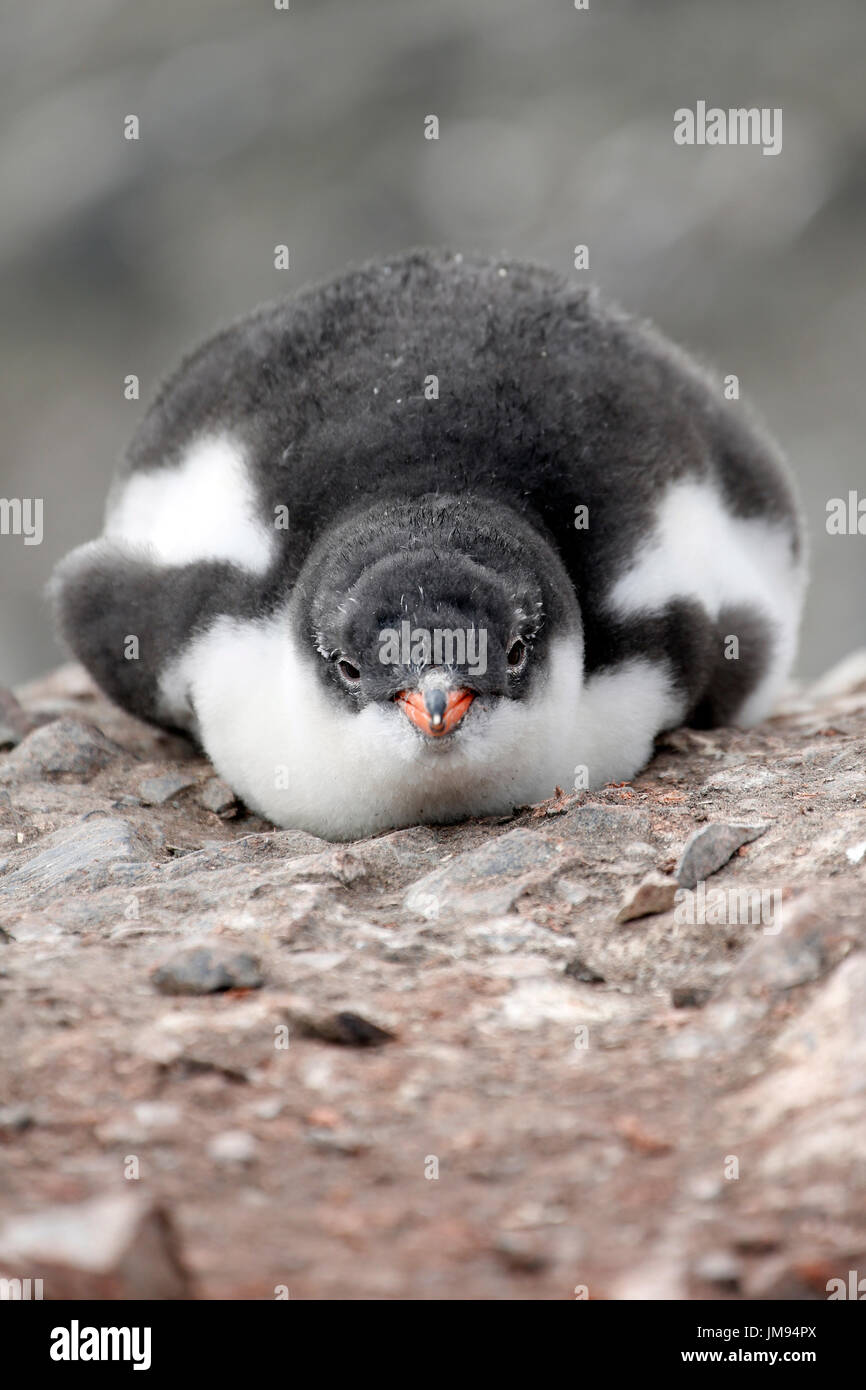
433, 538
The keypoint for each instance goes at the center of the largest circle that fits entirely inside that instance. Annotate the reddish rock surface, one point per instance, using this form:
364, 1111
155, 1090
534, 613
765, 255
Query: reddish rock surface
461, 1076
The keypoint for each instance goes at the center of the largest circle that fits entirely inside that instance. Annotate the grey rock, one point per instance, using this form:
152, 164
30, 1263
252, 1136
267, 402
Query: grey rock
577, 969
719, 1267
347, 1028
599, 827
15, 1118
234, 1147
155, 791
64, 746
218, 797
208, 969
349, 1142
807, 937
78, 856
399, 857
711, 847
524, 1254
484, 881
690, 996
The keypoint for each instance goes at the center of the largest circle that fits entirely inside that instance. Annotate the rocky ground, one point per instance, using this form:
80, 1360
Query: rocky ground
442, 1062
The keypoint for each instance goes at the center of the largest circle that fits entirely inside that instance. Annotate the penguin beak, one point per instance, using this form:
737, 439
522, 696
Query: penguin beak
435, 712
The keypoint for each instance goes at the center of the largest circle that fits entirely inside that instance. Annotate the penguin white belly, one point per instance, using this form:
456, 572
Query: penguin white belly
302, 762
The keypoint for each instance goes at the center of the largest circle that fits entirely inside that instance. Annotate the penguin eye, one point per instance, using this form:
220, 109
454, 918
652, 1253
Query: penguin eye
516, 655
351, 675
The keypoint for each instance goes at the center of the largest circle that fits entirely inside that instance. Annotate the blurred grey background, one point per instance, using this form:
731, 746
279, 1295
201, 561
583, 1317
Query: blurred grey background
305, 127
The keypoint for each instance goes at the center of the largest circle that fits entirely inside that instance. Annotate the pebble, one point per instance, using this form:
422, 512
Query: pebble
523, 1254
269, 1108
347, 1141
577, 969
207, 969
485, 880
155, 791
711, 847
690, 996
655, 893
602, 828
67, 745
218, 797
720, 1268
79, 855
347, 1028
15, 1118
233, 1146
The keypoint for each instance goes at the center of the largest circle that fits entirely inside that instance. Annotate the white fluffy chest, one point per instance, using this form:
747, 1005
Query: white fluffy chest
275, 734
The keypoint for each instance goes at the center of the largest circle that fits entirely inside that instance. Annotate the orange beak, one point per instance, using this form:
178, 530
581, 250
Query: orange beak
437, 712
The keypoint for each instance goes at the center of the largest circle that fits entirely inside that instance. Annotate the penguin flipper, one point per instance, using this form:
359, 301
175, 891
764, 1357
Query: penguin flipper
126, 618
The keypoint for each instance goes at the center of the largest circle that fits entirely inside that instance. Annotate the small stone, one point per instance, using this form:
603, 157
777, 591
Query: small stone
641, 1139
655, 893
218, 797
63, 746
15, 1118
155, 791
523, 1254
690, 996
79, 856
208, 969
347, 1028
233, 1146
577, 969
483, 881
344, 1141
323, 1117
269, 1108
757, 1242
720, 1268
157, 1114
603, 828
711, 847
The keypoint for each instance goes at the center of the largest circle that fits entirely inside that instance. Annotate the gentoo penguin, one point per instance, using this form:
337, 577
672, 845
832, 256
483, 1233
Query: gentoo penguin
429, 540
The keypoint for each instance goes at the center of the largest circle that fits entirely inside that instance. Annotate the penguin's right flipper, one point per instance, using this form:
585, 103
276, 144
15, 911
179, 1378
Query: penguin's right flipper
127, 618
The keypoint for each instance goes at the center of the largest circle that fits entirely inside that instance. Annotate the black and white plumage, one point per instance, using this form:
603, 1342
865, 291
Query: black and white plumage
264, 639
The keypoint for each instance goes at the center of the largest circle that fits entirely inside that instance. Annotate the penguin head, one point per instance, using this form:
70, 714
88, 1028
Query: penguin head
431, 634
435, 614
